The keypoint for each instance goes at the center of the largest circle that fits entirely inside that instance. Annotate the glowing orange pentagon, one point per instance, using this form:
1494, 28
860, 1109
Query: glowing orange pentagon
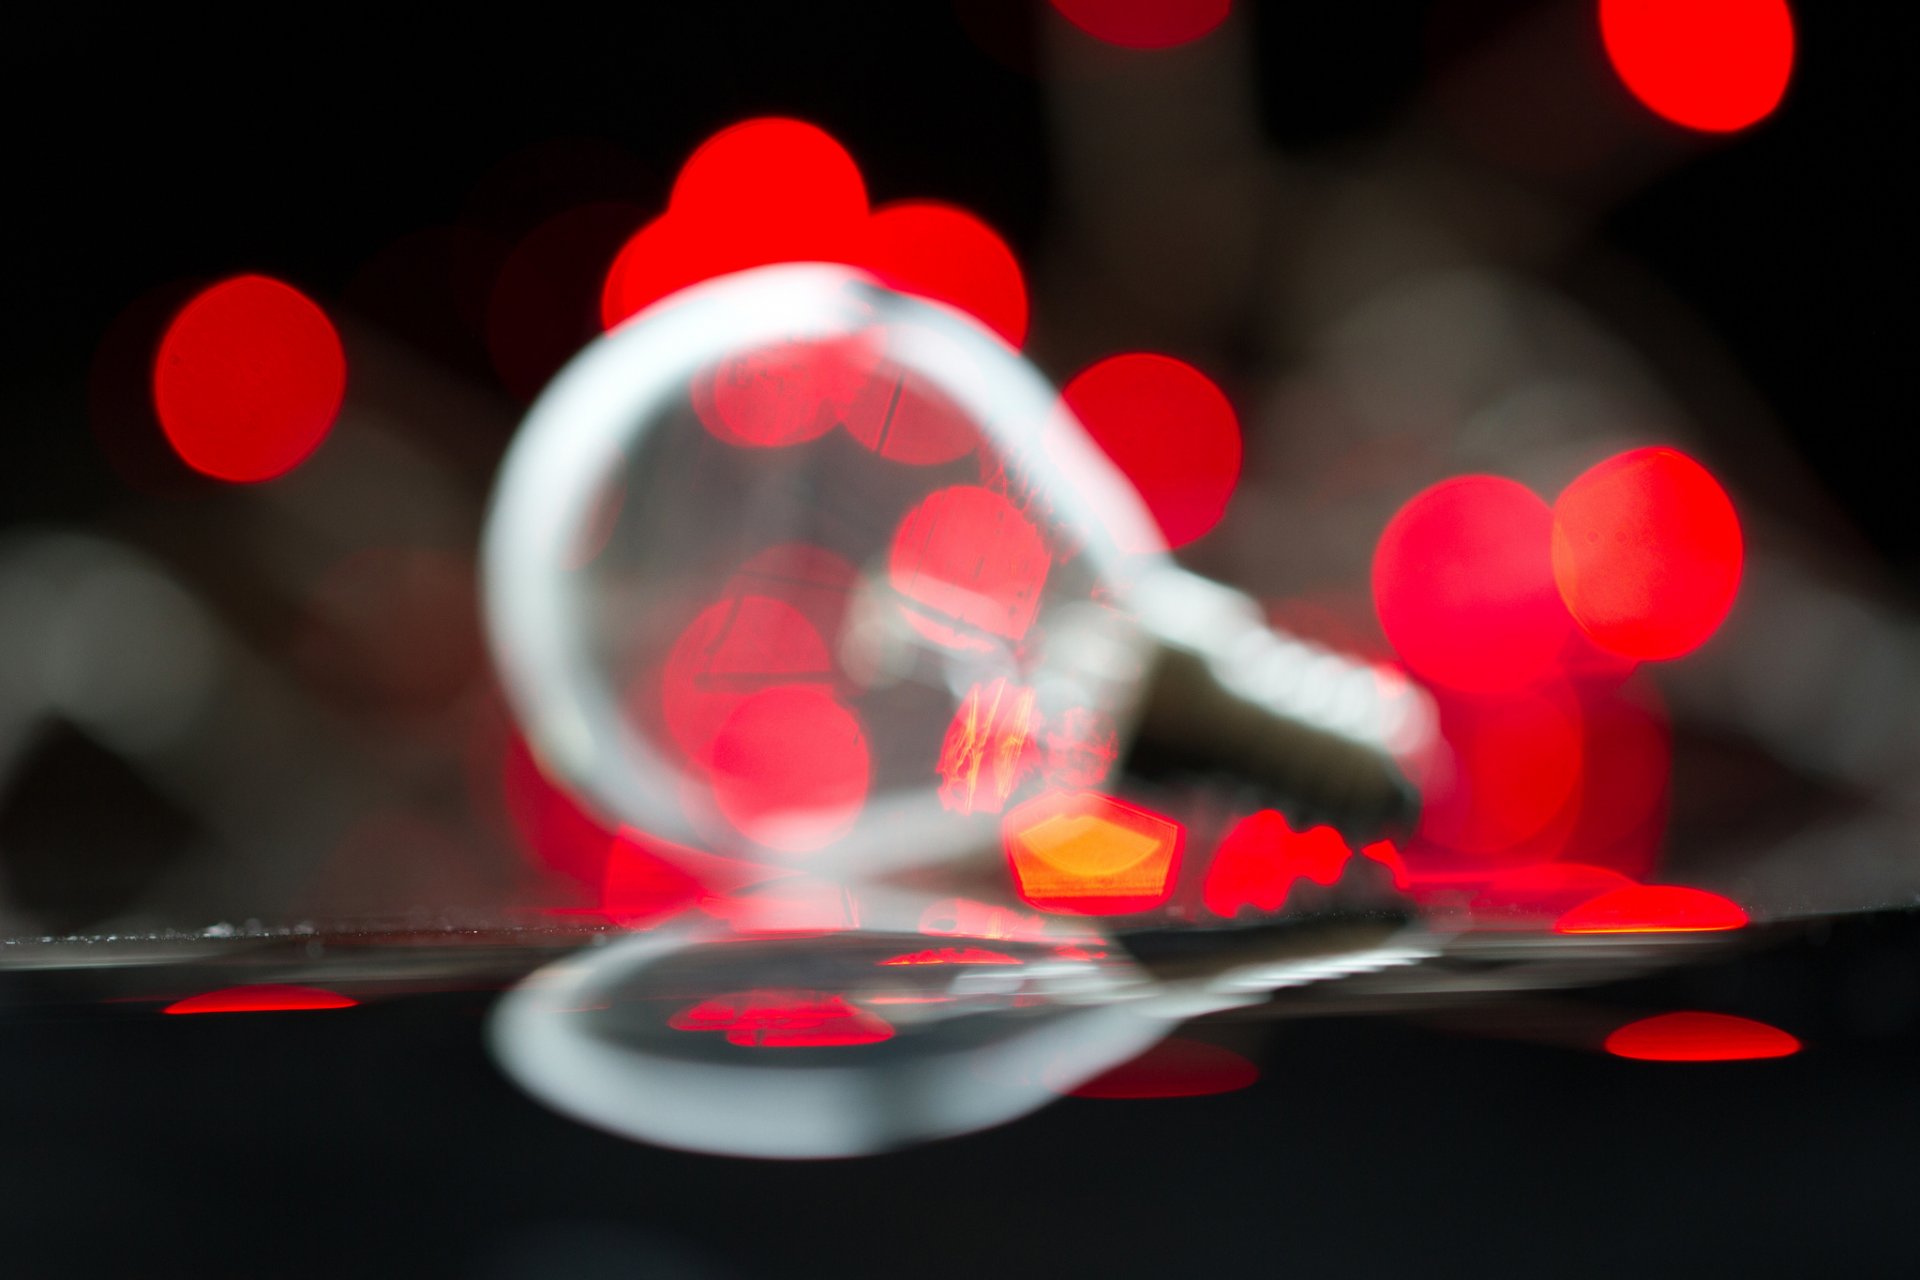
1081, 851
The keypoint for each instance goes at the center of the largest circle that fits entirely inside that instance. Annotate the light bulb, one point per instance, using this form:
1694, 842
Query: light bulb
794, 567
802, 571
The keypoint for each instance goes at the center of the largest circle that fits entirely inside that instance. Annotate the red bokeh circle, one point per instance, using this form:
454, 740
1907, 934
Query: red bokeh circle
248, 379
1464, 587
1170, 430
1647, 553
1712, 65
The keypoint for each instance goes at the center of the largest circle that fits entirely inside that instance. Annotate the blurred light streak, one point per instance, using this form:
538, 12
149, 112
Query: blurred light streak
1463, 584
1145, 24
1712, 65
262, 998
1653, 908
1699, 1037
1647, 553
1170, 430
1091, 854
1174, 1068
248, 379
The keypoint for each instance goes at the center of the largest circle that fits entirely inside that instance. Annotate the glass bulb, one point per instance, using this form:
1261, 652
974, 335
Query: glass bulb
792, 566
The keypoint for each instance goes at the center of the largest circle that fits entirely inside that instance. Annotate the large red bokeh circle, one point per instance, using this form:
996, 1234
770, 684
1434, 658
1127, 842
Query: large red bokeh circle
1463, 584
1170, 430
1647, 553
1711, 65
777, 190
791, 768
248, 379
937, 251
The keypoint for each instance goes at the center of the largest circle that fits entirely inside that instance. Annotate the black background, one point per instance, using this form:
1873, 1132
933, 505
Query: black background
144, 148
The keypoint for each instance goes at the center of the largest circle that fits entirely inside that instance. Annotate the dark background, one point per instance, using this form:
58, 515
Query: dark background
153, 147
146, 150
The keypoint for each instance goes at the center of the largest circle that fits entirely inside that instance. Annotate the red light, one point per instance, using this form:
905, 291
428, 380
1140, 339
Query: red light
784, 1019
1174, 1068
1383, 852
783, 395
1515, 764
641, 887
1463, 583
721, 219
1653, 908
969, 568
1145, 24
1261, 858
790, 768
903, 419
1090, 853
268, 997
986, 744
732, 650
772, 177
248, 379
661, 258
944, 253
1712, 65
1647, 553
774, 190
1700, 1037
1170, 430
952, 955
